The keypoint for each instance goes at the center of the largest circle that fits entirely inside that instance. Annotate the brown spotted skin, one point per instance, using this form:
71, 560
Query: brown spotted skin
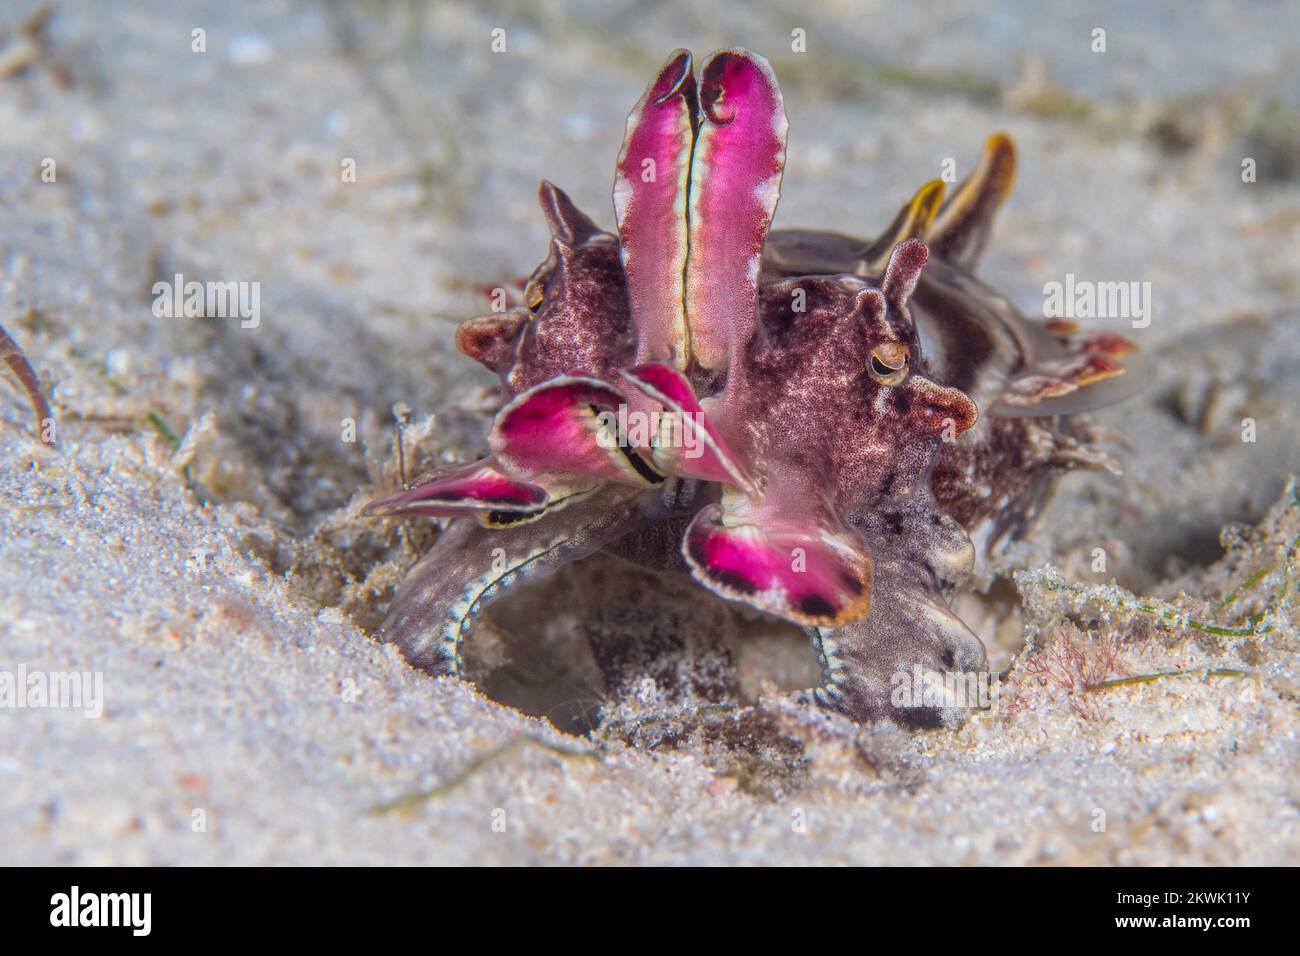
810, 374
996, 477
582, 323
869, 401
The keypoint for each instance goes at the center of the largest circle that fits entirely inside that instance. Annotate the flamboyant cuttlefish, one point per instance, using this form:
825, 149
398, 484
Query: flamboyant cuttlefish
832, 430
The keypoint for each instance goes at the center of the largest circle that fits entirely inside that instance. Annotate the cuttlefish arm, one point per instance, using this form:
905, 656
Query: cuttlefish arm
470, 566
911, 660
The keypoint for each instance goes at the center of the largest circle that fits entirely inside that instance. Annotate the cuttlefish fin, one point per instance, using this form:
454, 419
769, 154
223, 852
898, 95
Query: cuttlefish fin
911, 222
961, 229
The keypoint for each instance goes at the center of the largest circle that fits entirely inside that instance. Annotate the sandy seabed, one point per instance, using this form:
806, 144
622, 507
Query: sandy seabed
195, 538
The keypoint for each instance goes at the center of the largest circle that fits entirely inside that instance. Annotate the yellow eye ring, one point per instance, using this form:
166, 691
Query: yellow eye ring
888, 364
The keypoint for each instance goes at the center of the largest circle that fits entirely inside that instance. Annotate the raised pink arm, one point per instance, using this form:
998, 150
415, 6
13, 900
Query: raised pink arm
735, 183
650, 195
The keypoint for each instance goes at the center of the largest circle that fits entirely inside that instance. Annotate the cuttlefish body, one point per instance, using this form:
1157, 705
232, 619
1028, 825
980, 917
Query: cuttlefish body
831, 430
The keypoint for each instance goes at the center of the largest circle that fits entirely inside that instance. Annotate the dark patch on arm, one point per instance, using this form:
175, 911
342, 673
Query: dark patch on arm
815, 605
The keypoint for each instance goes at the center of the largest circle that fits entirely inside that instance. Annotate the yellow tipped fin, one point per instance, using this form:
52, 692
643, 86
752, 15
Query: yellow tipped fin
911, 222
962, 227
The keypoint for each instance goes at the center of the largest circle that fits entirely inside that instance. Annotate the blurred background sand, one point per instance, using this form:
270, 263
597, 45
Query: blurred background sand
195, 537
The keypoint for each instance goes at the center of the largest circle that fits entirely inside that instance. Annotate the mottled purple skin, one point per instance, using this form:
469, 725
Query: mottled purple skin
864, 408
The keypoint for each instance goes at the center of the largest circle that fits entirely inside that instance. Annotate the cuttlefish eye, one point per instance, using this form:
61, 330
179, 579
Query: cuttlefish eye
888, 364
